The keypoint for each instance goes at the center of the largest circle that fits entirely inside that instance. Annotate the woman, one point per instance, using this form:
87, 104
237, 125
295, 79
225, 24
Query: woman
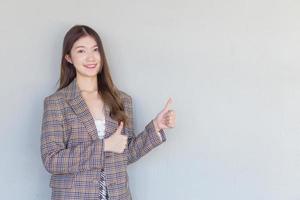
87, 136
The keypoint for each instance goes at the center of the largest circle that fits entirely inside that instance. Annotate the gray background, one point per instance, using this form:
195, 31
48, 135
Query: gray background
232, 68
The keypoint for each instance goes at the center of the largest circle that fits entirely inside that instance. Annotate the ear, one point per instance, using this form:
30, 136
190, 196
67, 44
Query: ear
68, 58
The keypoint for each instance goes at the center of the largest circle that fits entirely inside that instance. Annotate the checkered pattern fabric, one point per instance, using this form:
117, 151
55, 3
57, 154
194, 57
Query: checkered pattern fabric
74, 154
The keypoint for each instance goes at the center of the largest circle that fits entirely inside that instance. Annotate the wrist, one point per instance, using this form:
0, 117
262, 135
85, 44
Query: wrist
157, 129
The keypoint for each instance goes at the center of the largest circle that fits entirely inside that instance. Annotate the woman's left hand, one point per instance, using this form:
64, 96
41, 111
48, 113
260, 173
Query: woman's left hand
166, 118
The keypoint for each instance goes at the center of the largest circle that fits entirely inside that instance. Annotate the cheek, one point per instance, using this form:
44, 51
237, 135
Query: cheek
98, 57
77, 60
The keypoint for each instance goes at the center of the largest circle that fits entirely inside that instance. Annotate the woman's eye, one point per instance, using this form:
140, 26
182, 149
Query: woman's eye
80, 51
96, 49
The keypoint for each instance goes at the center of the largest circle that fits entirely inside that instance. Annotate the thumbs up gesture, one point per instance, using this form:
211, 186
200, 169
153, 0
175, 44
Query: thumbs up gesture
166, 118
116, 142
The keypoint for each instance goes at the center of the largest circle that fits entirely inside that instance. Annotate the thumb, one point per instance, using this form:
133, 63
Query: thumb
167, 106
119, 129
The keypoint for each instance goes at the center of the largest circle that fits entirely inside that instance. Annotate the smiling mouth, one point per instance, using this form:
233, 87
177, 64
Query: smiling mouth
90, 66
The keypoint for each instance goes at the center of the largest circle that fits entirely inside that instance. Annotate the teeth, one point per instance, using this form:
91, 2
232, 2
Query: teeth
90, 66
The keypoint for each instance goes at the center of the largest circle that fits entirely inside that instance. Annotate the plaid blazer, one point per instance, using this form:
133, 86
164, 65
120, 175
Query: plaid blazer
74, 155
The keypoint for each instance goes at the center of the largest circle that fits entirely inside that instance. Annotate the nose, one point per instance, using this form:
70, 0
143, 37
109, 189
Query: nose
90, 56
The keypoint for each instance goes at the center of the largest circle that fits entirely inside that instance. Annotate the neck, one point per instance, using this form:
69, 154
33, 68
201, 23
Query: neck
88, 84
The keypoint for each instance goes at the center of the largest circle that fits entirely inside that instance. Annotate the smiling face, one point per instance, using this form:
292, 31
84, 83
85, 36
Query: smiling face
85, 57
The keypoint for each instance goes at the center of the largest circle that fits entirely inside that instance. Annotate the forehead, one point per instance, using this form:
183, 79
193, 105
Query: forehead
86, 41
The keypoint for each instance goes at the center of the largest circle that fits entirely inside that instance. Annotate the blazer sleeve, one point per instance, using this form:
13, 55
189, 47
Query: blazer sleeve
144, 142
56, 157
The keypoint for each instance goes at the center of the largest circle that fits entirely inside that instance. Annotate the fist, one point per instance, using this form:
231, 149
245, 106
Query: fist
116, 142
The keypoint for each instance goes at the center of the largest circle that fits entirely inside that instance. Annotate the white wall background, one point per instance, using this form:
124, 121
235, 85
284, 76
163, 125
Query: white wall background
232, 68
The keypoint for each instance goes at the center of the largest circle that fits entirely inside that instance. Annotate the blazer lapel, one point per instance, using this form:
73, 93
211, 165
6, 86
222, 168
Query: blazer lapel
110, 124
78, 105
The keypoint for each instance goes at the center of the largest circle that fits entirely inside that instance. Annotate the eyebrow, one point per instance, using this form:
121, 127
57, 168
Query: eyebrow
84, 46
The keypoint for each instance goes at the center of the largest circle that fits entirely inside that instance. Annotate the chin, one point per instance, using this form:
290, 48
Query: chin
87, 74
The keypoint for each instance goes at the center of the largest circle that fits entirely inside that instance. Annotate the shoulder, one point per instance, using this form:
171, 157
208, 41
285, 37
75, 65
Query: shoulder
54, 106
125, 97
56, 99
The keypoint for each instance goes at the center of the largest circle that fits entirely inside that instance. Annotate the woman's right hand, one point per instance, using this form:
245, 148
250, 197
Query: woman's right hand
116, 142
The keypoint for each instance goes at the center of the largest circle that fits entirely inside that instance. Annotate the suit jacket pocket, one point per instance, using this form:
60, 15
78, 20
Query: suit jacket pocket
62, 181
